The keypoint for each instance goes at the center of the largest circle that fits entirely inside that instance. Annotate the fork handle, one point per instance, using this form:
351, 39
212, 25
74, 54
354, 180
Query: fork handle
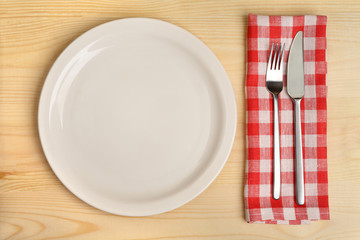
299, 168
276, 152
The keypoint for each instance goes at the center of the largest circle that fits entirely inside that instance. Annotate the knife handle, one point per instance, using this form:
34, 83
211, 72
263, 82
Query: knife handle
299, 166
276, 152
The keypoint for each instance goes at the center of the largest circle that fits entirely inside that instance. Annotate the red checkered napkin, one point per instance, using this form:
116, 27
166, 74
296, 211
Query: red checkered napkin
259, 204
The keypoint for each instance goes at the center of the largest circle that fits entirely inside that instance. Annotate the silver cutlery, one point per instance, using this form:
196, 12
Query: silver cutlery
295, 89
274, 84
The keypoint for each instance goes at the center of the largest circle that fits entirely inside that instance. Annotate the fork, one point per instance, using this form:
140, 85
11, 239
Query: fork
274, 84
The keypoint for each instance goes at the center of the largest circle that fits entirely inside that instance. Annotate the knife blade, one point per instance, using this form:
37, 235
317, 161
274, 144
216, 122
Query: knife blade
296, 89
295, 68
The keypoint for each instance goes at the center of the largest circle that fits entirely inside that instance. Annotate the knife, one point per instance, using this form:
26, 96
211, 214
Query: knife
295, 89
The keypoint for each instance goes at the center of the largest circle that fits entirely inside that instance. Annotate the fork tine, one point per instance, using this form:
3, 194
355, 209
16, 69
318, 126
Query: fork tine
270, 58
277, 62
282, 57
273, 67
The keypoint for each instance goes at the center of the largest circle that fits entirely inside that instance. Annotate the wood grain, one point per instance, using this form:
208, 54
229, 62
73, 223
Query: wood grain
35, 205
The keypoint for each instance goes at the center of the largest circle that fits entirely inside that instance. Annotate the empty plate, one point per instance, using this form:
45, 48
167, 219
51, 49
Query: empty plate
137, 117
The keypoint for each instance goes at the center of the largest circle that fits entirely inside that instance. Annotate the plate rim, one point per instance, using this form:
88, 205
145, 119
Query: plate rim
227, 92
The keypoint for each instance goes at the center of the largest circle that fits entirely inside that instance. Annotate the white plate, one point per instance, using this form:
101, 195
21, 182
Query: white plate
137, 117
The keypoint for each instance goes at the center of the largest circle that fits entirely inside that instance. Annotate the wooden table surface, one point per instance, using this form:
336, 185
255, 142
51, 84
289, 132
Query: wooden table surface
35, 205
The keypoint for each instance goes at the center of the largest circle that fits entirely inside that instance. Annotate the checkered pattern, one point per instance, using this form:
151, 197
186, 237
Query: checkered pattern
260, 206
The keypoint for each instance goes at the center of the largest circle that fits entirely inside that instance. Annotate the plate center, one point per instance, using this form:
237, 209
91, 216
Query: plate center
139, 120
